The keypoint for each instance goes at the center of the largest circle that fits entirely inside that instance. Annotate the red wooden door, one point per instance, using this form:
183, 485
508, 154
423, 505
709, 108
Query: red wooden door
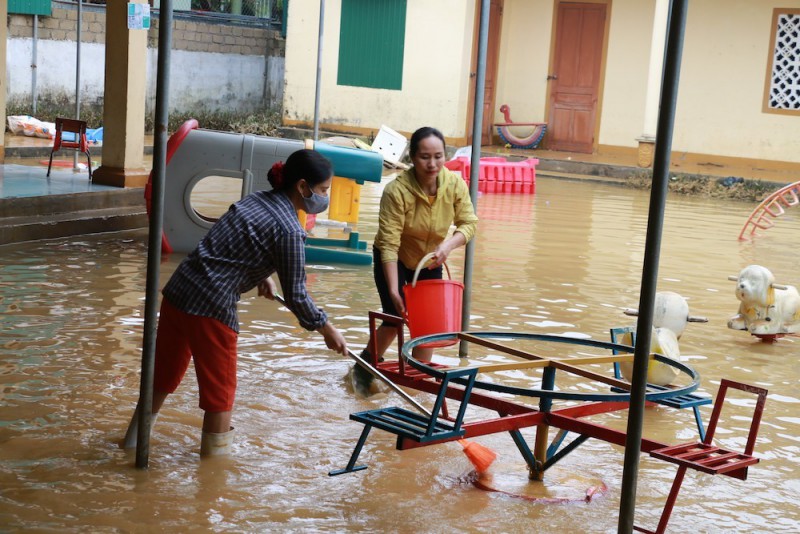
575, 77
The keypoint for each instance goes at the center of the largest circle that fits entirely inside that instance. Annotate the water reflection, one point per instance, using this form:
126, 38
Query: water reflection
567, 260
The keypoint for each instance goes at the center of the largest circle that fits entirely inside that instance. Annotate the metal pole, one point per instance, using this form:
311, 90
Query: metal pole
319, 68
155, 231
658, 195
477, 129
78, 77
34, 60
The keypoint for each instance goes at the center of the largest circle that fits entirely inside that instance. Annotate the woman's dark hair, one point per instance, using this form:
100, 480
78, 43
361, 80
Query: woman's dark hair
423, 133
303, 164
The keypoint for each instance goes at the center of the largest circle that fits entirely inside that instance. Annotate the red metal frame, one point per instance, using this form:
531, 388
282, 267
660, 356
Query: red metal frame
705, 457
513, 417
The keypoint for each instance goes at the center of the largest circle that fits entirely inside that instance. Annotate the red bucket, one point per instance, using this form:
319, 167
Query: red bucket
433, 307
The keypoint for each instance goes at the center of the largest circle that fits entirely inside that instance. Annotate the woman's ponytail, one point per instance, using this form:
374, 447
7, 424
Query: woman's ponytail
303, 164
275, 175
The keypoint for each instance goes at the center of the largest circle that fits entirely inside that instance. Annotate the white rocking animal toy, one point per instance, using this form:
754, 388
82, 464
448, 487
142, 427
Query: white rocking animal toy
765, 308
670, 317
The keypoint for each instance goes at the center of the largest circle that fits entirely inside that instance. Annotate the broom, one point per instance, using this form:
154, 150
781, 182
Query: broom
479, 456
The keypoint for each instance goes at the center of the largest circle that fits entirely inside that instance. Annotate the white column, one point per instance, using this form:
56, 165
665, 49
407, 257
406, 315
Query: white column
656, 68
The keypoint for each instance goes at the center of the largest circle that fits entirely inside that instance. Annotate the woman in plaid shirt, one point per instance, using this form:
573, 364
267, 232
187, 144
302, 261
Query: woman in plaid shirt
258, 236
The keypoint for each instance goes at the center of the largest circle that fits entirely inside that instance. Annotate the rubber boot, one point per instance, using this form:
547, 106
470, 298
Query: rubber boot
216, 444
129, 441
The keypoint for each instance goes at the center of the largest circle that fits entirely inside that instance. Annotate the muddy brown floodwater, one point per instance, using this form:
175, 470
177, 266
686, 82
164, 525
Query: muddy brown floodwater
566, 260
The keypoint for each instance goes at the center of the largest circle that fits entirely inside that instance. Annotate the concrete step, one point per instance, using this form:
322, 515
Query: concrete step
598, 171
70, 202
49, 217
578, 177
21, 151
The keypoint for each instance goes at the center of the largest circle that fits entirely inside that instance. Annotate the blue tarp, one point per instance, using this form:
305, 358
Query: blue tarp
93, 135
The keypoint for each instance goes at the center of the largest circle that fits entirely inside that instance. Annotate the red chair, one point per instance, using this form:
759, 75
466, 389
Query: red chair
705, 456
76, 127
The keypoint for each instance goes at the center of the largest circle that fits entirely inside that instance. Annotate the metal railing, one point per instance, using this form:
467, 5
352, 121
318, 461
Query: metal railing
261, 9
265, 9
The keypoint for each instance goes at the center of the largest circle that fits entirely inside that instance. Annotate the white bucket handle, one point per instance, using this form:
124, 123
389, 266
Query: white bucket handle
422, 263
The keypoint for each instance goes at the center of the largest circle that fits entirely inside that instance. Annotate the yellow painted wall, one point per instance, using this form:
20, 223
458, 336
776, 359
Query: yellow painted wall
524, 59
720, 96
625, 84
435, 70
724, 69
722, 83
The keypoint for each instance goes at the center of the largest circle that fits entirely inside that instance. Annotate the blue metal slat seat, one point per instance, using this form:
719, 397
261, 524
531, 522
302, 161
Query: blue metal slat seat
690, 400
408, 424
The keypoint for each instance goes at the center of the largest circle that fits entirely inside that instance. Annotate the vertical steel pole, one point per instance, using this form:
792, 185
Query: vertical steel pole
78, 76
655, 224
154, 237
78, 66
34, 61
319, 68
477, 129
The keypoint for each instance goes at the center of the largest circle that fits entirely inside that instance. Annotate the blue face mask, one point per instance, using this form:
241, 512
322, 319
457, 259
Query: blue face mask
316, 203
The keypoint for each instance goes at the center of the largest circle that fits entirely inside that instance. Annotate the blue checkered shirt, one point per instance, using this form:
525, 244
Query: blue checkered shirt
259, 235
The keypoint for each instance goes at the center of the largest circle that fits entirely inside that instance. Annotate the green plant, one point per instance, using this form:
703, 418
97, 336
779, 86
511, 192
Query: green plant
60, 105
697, 185
261, 122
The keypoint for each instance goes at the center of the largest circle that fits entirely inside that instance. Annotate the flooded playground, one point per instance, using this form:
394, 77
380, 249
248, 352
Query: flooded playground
567, 260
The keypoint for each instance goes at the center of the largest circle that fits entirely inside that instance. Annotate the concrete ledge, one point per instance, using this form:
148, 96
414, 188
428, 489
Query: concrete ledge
589, 169
44, 151
58, 204
24, 219
24, 229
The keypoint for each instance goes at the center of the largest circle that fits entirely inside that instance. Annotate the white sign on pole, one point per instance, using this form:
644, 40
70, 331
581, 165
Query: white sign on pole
138, 16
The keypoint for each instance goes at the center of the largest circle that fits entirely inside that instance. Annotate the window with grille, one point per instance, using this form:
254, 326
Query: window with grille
371, 43
783, 84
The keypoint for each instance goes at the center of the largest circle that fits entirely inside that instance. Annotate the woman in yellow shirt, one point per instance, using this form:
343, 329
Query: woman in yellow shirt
417, 210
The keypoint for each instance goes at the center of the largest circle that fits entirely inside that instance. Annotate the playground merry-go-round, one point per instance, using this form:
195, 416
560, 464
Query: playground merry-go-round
557, 409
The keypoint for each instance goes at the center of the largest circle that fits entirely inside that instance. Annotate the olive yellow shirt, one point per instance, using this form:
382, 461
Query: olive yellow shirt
410, 225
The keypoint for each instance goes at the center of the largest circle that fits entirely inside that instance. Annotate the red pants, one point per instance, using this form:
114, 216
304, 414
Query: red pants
182, 336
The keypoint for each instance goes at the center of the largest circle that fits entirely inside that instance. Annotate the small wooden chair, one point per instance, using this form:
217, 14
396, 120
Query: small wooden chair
77, 127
